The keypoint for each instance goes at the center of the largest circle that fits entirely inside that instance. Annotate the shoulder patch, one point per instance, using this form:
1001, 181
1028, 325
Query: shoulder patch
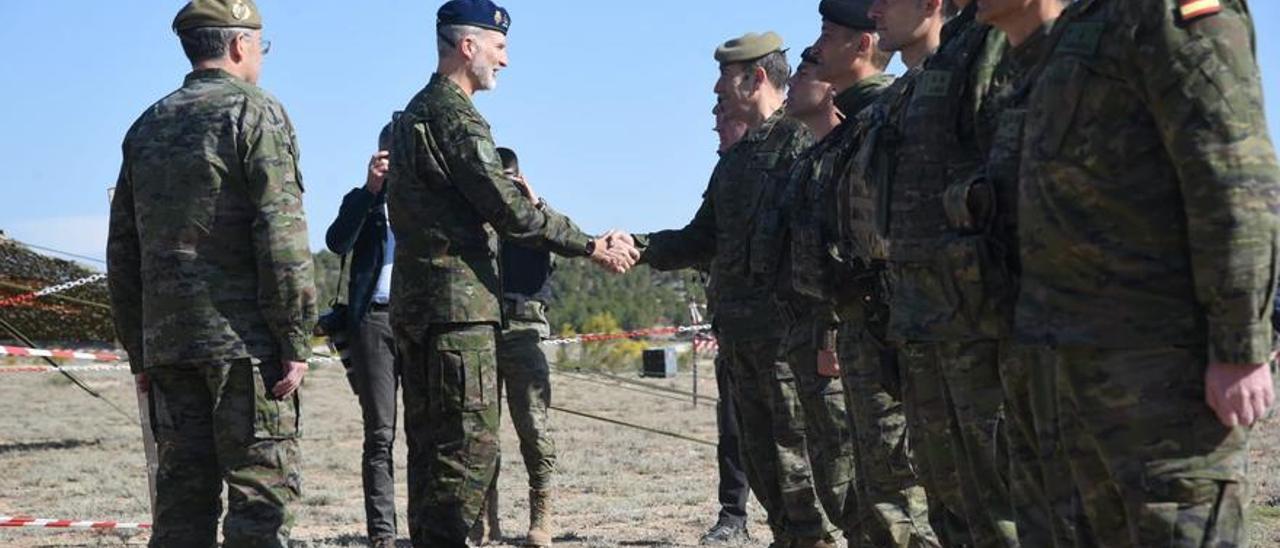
1081, 38
1190, 10
935, 83
486, 151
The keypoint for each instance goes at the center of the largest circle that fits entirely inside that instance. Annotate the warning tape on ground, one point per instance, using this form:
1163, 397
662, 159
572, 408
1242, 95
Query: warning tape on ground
31, 296
8, 521
597, 337
59, 354
70, 368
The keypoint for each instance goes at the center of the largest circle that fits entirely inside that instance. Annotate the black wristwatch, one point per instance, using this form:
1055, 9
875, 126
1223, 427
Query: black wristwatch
591, 247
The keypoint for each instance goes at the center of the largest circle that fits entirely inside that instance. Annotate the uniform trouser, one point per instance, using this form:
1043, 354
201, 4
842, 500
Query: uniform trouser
732, 488
1040, 486
526, 378
932, 433
772, 426
826, 419
968, 376
451, 425
893, 507
376, 371
215, 423
1152, 464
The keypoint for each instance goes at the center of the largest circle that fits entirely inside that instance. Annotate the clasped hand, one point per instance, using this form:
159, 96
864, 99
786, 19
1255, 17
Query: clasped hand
615, 251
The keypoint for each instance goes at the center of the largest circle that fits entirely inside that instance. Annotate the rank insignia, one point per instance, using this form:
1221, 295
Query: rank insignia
1190, 10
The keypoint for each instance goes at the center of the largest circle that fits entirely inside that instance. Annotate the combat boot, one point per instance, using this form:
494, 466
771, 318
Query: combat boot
539, 519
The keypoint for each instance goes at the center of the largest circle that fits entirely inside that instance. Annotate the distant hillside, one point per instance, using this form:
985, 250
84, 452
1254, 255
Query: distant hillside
640, 298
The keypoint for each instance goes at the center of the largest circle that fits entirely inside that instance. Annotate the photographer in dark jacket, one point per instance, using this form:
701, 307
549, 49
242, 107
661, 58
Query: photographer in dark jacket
363, 236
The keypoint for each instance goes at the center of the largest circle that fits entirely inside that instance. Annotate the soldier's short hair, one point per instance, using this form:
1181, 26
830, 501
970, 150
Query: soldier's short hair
776, 68
207, 43
449, 36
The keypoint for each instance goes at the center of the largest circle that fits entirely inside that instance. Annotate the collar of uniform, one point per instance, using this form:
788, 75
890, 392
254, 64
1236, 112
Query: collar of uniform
961, 21
444, 82
208, 74
860, 95
762, 132
1029, 52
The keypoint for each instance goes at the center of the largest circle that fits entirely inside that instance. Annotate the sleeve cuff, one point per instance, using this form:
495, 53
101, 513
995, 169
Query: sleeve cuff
296, 349
1240, 344
642, 245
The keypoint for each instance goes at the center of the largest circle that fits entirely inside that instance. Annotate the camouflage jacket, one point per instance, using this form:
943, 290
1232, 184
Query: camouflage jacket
450, 204
810, 258
727, 225
207, 254
1148, 196
948, 277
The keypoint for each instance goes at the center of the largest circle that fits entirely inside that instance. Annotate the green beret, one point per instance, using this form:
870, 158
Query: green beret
218, 13
748, 47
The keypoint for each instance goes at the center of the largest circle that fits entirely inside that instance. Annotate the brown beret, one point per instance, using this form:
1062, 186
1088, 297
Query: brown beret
218, 13
748, 47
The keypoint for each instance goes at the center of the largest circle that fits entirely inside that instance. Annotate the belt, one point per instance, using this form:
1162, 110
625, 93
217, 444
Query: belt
379, 307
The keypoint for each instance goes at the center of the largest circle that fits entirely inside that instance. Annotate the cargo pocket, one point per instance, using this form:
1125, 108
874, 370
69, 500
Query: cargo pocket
468, 372
273, 419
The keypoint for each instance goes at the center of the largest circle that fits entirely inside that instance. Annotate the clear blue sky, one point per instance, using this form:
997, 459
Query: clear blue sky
607, 103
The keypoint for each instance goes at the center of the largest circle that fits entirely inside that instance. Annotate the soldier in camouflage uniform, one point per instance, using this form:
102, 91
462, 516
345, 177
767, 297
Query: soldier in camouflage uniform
950, 294
1039, 478
753, 72
1147, 231
891, 506
450, 205
211, 286
913, 29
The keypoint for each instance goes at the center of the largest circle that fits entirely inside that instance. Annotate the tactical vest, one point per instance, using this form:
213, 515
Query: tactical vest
862, 197
768, 230
931, 156
810, 267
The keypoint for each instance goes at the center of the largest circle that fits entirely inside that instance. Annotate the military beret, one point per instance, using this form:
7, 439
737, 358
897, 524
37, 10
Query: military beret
474, 13
748, 47
847, 13
217, 13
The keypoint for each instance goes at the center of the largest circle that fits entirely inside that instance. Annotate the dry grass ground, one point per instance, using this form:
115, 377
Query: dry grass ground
65, 455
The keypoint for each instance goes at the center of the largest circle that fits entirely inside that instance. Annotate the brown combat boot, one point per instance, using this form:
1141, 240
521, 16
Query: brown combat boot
539, 519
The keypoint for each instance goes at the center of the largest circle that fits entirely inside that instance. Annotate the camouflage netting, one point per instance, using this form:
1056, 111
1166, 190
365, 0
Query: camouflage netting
48, 319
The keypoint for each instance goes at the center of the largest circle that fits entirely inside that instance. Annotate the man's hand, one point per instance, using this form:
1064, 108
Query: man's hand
828, 364
379, 165
525, 188
614, 253
293, 374
1240, 394
144, 383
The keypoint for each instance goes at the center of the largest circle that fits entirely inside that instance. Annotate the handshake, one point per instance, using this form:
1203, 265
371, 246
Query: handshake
615, 251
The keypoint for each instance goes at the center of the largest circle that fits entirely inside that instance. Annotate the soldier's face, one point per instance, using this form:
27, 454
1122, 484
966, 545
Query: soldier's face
729, 131
488, 56
806, 94
900, 22
735, 88
251, 54
835, 48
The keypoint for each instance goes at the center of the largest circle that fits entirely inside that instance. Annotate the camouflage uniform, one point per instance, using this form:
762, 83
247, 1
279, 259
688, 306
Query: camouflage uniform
1147, 234
747, 321
874, 510
946, 304
526, 378
1039, 478
211, 288
450, 203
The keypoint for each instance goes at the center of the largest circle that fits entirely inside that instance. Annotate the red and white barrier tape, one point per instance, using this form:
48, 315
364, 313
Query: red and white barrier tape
597, 337
28, 297
67, 368
7, 521
59, 354
706, 344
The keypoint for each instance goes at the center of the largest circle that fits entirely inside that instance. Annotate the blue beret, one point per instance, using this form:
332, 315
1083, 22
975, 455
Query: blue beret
850, 14
474, 13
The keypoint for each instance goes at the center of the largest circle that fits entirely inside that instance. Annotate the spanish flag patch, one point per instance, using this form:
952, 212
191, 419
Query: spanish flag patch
1191, 10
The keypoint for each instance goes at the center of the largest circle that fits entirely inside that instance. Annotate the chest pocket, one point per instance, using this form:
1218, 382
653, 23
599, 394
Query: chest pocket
1062, 84
767, 230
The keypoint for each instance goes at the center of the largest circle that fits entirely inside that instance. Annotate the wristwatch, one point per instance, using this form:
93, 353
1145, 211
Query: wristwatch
591, 247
